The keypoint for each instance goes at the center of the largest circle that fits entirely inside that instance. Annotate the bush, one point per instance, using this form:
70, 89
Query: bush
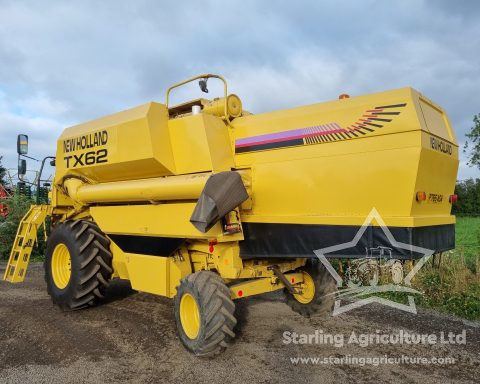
18, 205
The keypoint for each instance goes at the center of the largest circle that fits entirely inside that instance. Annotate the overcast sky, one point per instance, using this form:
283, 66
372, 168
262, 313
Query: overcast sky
65, 62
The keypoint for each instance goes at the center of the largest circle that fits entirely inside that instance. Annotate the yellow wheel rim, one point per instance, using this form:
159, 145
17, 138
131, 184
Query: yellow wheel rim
189, 316
308, 290
61, 266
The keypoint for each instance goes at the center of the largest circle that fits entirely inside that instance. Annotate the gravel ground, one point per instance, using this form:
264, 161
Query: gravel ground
132, 338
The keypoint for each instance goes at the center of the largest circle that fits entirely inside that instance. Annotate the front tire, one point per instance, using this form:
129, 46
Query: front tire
204, 313
78, 264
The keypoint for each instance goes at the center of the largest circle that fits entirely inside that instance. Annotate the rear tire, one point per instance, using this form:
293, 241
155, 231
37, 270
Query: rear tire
78, 264
318, 296
204, 313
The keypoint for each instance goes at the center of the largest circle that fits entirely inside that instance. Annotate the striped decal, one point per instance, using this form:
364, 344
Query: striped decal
371, 120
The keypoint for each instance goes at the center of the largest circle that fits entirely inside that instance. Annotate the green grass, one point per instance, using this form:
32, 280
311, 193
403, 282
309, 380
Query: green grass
453, 285
451, 288
467, 240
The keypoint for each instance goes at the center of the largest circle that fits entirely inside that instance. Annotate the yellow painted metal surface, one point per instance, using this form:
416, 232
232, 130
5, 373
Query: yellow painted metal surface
345, 157
261, 285
127, 145
225, 259
200, 143
24, 242
217, 107
183, 187
152, 274
338, 179
161, 275
436, 120
307, 288
119, 262
149, 273
190, 315
166, 220
61, 265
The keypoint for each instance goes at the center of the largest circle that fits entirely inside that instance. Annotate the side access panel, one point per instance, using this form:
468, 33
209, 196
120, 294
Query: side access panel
158, 275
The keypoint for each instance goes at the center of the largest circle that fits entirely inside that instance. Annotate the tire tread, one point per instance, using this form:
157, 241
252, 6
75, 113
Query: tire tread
94, 264
217, 309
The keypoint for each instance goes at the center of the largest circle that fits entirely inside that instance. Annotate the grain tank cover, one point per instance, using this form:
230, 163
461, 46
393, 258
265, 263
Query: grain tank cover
131, 144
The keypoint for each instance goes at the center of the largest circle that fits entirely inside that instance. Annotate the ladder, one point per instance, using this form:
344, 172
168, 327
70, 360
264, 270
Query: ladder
24, 242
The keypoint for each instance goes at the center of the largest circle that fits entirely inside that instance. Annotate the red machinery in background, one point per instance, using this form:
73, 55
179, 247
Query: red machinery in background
3, 207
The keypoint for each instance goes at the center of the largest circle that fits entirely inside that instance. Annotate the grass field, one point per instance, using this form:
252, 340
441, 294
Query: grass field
451, 284
454, 284
467, 239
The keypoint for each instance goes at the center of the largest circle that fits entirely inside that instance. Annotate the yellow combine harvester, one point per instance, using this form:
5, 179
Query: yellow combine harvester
206, 203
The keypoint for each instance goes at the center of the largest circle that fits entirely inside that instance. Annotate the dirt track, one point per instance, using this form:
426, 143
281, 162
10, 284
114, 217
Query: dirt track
131, 338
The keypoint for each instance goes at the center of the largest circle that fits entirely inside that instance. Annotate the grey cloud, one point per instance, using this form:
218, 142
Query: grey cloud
66, 62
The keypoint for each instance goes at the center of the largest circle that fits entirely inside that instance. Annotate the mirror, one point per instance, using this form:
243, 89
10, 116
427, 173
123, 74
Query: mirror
22, 144
22, 167
203, 85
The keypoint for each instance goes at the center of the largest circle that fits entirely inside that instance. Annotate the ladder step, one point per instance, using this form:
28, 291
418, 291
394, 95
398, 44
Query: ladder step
24, 242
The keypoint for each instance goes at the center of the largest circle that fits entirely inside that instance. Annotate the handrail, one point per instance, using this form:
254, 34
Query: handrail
205, 76
40, 176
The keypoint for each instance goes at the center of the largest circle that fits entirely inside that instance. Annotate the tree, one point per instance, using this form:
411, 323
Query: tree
3, 172
468, 192
472, 148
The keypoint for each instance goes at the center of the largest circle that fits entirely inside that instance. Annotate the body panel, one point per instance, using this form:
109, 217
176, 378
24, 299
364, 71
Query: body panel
372, 151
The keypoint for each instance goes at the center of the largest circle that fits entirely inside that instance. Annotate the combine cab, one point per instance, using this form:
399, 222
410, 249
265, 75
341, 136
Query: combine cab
205, 203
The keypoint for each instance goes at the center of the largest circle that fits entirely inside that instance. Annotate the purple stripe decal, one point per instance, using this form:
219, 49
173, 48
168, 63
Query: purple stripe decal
324, 133
285, 135
271, 136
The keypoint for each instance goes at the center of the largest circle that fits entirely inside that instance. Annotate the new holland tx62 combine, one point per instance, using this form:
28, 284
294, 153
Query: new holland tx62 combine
205, 203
